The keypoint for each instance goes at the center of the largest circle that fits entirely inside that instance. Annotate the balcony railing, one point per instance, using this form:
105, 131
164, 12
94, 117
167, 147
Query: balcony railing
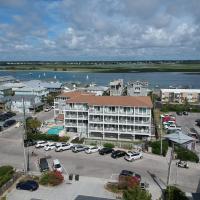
76, 108
96, 120
96, 128
70, 124
110, 121
111, 129
70, 116
92, 110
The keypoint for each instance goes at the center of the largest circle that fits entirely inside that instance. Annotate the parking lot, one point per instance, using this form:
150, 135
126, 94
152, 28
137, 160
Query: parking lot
188, 121
152, 168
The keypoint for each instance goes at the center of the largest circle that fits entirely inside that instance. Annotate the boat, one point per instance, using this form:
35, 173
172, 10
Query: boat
87, 77
44, 74
30, 73
39, 76
55, 77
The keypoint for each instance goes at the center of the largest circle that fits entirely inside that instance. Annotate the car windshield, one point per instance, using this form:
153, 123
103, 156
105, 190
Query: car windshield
57, 166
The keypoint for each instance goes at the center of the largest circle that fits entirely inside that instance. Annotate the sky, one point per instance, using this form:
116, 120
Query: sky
99, 29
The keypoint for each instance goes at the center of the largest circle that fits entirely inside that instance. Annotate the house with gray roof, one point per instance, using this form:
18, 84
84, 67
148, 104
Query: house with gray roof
182, 139
5, 91
7, 79
28, 102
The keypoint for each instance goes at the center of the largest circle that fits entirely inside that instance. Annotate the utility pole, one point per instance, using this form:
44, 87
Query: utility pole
161, 151
169, 166
23, 138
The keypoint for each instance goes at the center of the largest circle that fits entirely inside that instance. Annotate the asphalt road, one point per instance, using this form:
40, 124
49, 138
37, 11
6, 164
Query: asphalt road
152, 168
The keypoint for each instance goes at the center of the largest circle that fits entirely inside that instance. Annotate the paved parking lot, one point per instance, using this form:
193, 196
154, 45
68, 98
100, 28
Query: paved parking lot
67, 191
188, 121
152, 168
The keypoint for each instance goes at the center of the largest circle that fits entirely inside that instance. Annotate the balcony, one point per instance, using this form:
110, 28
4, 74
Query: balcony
112, 129
142, 122
76, 108
96, 120
71, 116
95, 111
111, 121
96, 128
82, 116
71, 124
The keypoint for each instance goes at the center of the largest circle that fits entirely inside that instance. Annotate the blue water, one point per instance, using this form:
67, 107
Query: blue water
55, 130
162, 79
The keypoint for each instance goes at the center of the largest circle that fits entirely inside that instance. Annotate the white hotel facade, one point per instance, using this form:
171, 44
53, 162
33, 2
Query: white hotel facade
105, 117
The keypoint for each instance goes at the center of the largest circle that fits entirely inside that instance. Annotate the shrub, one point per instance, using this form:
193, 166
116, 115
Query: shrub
52, 178
78, 140
136, 194
63, 139
109, 145
185, 154
42, 136
6, 173
174, 193
156, 147
126, 182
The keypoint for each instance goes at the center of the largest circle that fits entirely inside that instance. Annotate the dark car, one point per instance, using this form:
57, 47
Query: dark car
9, 123
29, 142
27, 185
118, 154
105, 150
129, 173
179, 113
185, 113
197, 120
43, 164
10, 114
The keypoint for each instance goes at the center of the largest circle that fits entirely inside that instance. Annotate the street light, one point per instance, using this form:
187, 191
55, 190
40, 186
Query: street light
161, 151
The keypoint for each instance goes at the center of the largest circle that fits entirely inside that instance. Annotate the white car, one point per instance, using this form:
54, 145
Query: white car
47, 109
41, 144
91, 149
57, 166
63, 147
50, 146
131, 156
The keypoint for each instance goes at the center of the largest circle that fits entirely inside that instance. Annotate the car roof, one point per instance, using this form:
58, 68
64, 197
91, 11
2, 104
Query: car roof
56, 161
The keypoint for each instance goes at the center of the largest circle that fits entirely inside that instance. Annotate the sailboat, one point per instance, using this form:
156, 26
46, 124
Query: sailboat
55, 77
87, 77
44, 74
39, 76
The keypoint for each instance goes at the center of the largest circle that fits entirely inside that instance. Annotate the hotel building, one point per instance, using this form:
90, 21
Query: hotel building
105, 117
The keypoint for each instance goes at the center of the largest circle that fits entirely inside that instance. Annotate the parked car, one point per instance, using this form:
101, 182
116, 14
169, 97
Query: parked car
185, 113
49, 146
118, 154
29, 142
41, 144
105, 150
130, 174
78, 148
30, 185
9, 123
131, 156
91, 149
47, 109
64, 147
43, 165
57, 166
179, 113
182, 164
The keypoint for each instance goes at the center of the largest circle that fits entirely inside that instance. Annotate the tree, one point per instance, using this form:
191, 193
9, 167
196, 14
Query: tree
174, 193
136, 194
32, 125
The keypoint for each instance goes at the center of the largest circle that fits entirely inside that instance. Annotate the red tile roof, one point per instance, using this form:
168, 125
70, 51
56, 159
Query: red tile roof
139, 101
60, 117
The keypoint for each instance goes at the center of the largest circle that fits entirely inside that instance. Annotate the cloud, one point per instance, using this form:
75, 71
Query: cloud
99, 29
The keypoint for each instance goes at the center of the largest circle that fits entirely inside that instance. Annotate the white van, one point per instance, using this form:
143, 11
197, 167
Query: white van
57, 166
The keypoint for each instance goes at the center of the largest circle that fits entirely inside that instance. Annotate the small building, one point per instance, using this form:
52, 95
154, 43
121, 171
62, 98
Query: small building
116, 87
4, 103
180, 95
182, 139
5, 91
137, 88
97, 90
30, 103
32, 91
50, 86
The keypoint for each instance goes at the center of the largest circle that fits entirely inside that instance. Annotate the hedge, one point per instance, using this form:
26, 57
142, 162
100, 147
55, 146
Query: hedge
6, 173
44, 136
78, 140
156, 147
109, 145
186, 154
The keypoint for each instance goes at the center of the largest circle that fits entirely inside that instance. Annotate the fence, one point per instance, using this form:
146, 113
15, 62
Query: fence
7, 185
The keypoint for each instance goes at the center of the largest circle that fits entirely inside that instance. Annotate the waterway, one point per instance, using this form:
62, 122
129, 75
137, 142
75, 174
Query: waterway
155, 79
